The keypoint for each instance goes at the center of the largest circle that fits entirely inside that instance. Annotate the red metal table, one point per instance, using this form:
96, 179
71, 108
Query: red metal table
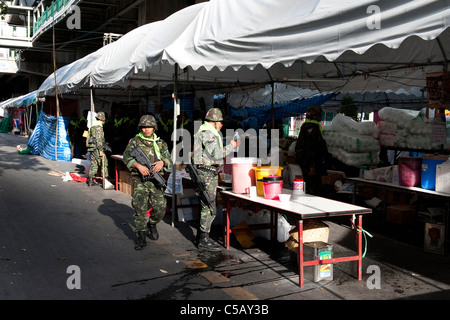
306, 207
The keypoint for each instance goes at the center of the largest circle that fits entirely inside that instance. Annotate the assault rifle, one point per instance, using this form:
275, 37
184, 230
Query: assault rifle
93, 141
199, 185
142, 159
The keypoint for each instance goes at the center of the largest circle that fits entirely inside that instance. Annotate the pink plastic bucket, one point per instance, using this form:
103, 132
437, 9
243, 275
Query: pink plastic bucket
409, 171
243, 174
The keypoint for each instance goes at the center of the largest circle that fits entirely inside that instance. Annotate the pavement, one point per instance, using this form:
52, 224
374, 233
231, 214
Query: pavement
61, 240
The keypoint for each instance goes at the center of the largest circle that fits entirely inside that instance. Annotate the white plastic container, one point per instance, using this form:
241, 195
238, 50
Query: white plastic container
243, 174
284, 197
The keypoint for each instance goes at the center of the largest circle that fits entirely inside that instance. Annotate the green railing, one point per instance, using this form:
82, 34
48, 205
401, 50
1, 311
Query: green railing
47, 15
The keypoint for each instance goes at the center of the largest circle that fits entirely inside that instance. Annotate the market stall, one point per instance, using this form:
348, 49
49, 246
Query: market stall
321, 45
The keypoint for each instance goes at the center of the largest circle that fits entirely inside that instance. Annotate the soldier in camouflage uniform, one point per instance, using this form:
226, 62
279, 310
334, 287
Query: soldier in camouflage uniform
146, 192
208, 156
312, 152
97, 147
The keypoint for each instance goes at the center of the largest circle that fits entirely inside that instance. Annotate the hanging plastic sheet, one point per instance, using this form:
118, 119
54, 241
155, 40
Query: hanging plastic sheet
281, 110
43, 138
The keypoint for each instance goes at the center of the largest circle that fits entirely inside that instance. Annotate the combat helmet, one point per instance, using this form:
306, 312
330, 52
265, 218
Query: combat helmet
100, 116
148, 120
214, 114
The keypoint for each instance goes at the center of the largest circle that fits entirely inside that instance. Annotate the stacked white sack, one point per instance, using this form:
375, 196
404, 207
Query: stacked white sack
351, 142
405, 129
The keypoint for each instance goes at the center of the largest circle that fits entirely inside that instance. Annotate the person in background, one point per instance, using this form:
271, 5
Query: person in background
208, 156
312, 152
97, 145
75, 135
147, 192
83, 127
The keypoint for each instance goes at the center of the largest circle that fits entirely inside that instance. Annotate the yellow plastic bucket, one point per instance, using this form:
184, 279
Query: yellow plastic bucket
264, 171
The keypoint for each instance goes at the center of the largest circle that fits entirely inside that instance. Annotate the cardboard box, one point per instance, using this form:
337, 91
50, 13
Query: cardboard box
188, 205
443, 178
401, 214
434, 238
332, 177
126, 182
431, 215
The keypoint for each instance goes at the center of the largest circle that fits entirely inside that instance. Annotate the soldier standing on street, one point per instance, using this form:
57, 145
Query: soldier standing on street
96, 145
146, 192
208, 145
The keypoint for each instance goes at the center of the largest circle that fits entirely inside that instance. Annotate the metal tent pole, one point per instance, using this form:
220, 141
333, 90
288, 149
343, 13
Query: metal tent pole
174, 149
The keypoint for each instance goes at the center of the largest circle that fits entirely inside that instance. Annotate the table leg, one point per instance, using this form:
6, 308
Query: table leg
359, 245
117, 176
273, 225
300, 252
227, 224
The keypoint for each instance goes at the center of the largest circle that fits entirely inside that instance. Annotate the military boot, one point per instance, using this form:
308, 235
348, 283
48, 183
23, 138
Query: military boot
141, 240
153, 233
91, 181
206, 243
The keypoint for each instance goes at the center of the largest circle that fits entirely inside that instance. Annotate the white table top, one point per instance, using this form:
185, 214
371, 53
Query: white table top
393, 185
307, 206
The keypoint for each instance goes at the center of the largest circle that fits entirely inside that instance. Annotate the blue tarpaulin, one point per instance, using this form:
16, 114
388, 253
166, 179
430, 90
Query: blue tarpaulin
42, 139
283, 110
25, 100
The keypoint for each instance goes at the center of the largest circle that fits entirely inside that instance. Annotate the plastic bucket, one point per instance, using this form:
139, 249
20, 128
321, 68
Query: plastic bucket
273, 186
409, 171
264, 171
243, 175
429, 163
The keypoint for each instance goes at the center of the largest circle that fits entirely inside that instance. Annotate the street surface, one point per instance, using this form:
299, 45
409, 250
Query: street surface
61, 240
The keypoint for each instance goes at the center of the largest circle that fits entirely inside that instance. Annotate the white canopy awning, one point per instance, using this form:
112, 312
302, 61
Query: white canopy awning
324, 45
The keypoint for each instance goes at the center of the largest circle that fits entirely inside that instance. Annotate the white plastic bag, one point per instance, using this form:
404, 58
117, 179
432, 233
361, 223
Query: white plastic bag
283, 229
178, 184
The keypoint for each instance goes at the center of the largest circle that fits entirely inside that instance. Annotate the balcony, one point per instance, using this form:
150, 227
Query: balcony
43, 16
15, 28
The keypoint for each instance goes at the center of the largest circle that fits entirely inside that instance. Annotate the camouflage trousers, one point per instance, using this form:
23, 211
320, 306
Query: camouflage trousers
96, 163
207, 214
145, 196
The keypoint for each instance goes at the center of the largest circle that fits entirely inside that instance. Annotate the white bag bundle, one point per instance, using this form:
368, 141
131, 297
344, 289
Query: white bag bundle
397, 116
351, 142
355, 159
342, 123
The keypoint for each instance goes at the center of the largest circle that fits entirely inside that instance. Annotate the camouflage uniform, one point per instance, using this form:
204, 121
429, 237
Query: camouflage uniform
146, 193
97, 133
209, 153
